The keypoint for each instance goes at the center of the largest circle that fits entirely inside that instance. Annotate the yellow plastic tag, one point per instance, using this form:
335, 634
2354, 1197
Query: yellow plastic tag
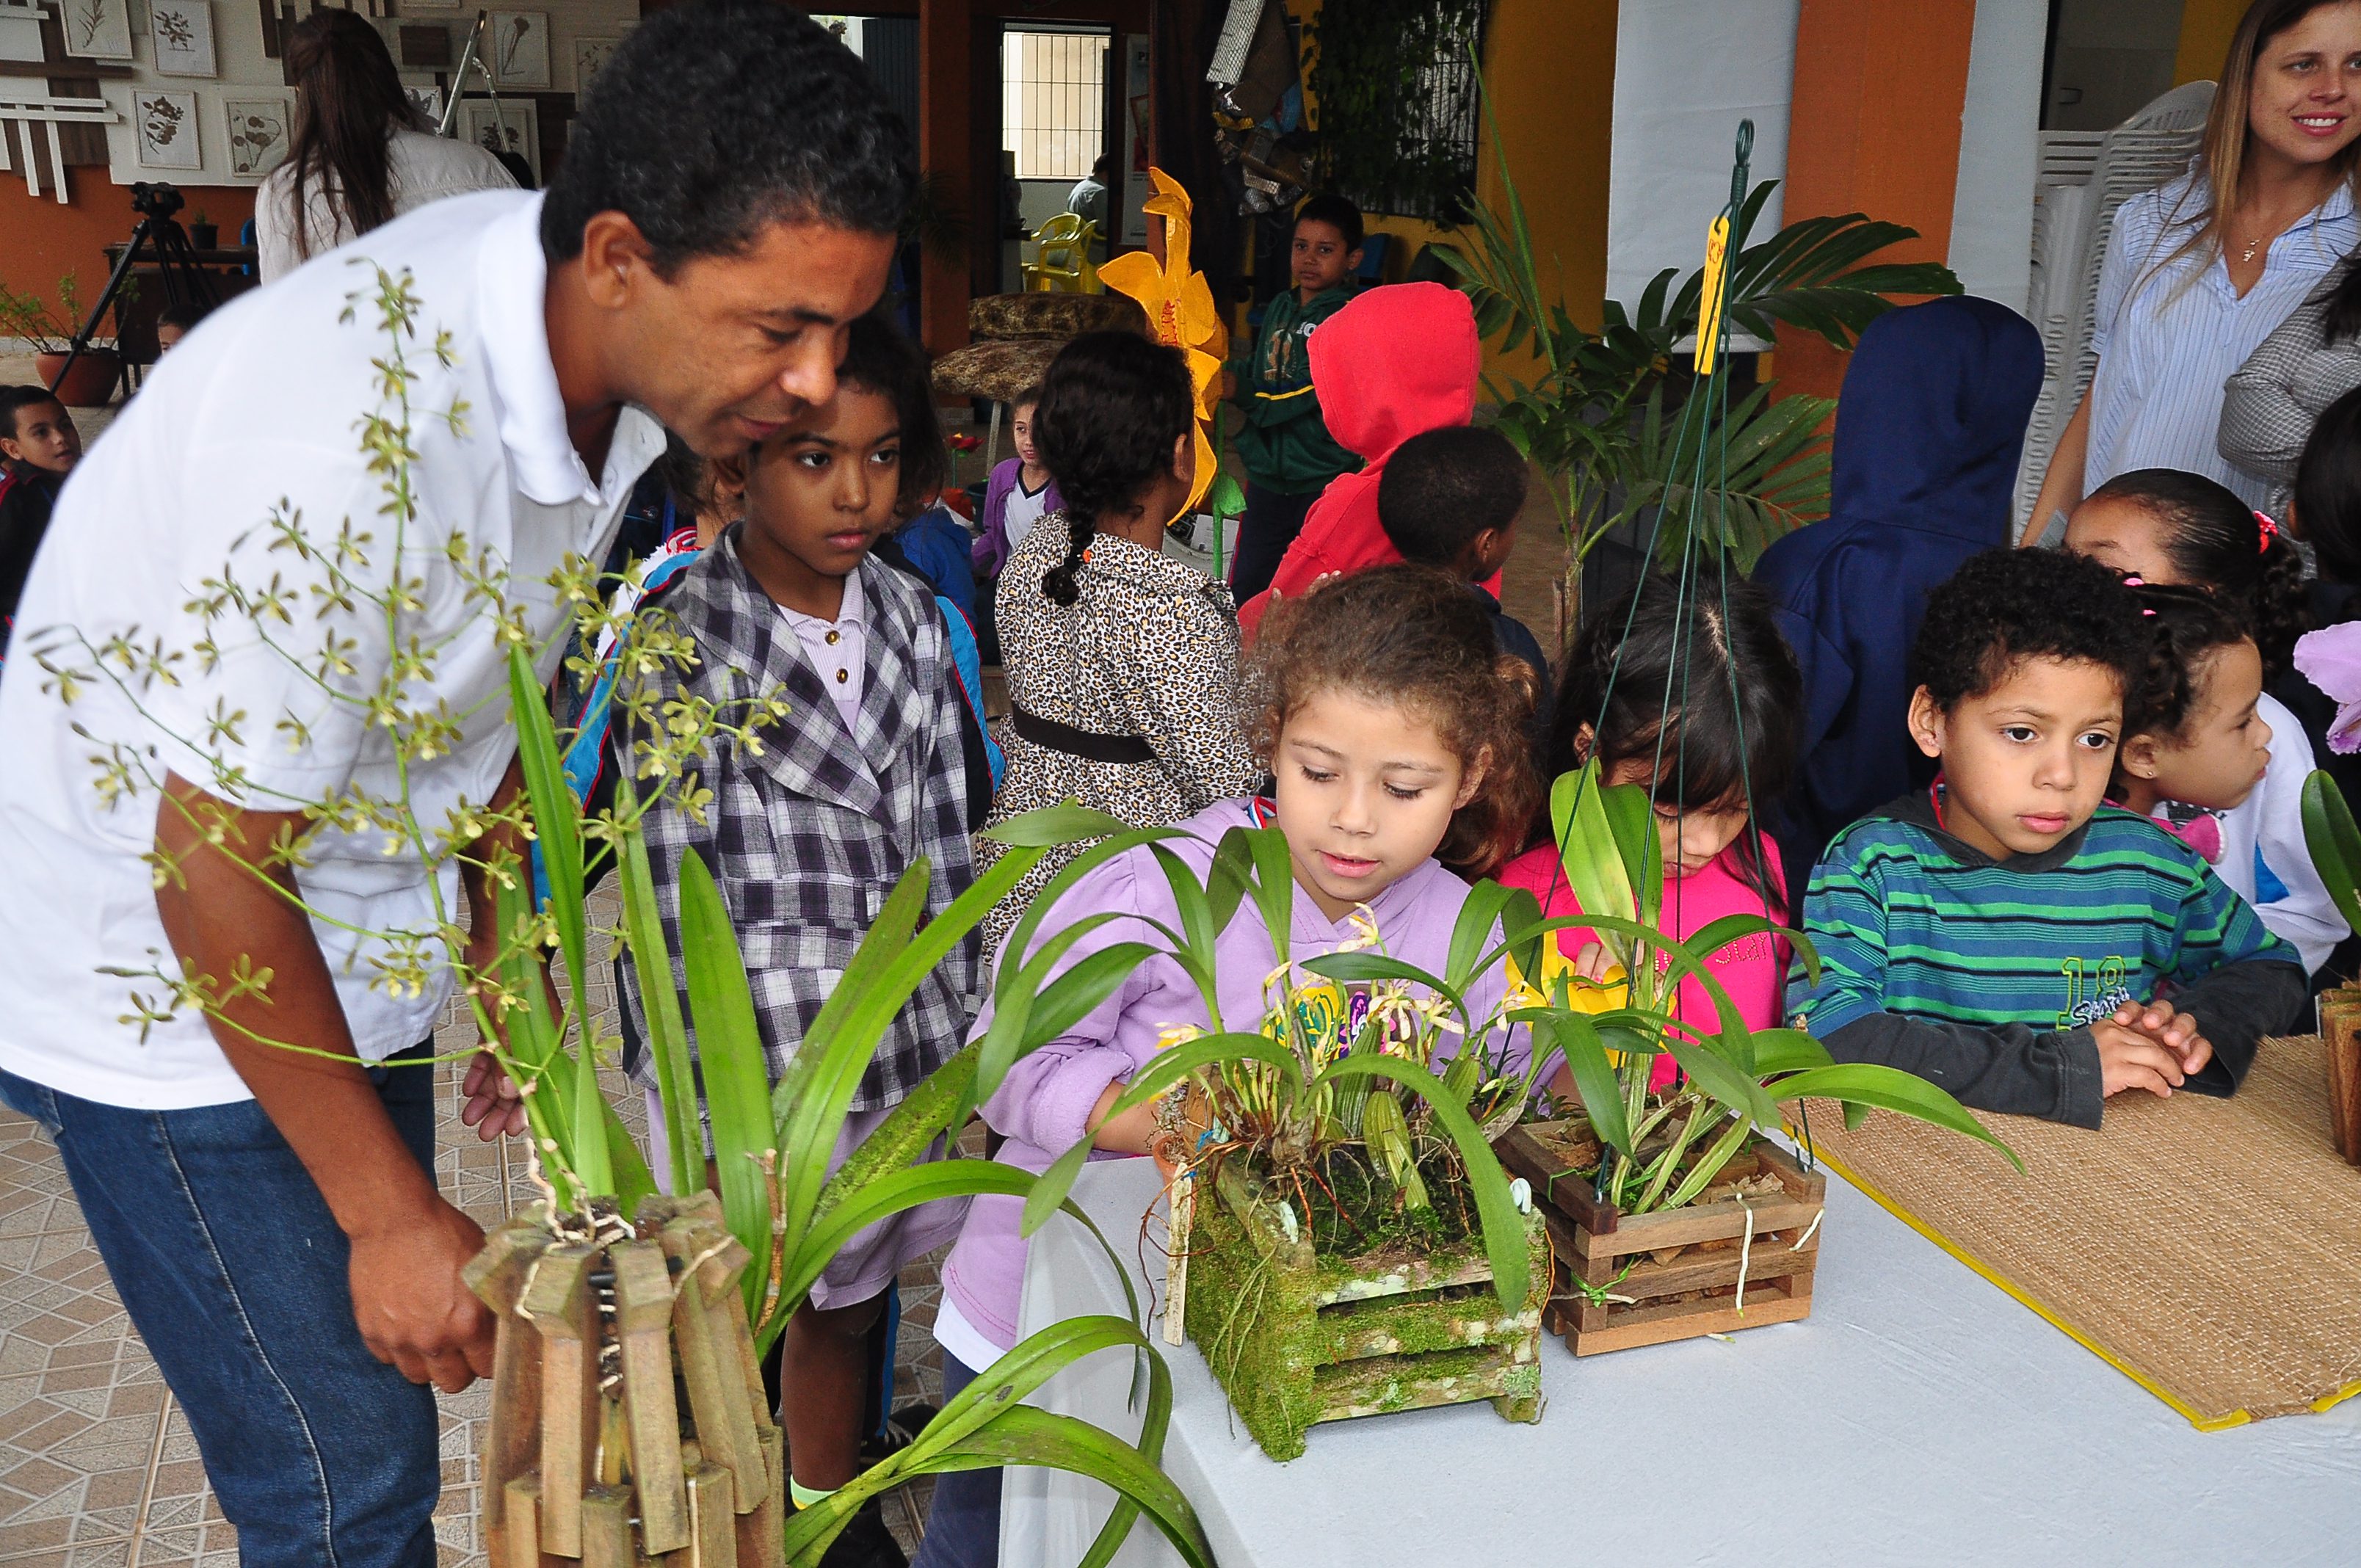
1716, 285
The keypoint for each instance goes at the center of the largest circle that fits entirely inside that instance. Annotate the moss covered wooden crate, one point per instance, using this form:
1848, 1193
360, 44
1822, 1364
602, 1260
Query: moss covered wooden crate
629, 1423
1296, 1337
1635, 1279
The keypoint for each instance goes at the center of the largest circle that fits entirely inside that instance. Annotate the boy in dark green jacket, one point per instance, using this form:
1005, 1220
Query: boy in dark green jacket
1288, 455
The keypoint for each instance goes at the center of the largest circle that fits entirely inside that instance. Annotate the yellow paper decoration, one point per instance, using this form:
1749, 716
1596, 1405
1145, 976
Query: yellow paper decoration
1180, 312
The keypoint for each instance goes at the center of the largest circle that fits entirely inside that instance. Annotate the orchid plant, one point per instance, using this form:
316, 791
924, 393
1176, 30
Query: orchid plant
369, 577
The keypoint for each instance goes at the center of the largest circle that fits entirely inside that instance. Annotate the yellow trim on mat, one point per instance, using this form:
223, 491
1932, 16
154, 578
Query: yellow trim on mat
2202, 1423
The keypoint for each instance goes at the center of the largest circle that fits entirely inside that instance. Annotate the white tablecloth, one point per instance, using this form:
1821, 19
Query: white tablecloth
1920, 1416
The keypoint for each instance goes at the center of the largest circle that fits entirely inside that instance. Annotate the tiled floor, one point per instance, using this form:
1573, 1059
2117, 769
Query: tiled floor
97, 1465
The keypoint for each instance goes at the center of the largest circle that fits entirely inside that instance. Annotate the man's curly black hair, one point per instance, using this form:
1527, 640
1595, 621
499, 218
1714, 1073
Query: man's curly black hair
718, 117
2006, 606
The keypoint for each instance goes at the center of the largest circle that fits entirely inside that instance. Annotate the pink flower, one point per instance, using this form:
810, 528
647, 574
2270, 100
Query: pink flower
2331, 659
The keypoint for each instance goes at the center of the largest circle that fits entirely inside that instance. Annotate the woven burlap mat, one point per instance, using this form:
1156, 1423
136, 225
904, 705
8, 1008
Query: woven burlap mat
2209, 1249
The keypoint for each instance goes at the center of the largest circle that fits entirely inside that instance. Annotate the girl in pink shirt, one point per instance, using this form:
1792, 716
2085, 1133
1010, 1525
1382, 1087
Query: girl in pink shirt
1695, 695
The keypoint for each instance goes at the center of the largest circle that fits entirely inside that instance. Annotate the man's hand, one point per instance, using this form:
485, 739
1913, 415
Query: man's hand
2130, 1059
2175, 1031
494, 1106
413, 1312
234, 903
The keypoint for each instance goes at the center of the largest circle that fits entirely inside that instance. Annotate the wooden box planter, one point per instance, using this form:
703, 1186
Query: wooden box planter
589, 1454
1676, 1273
2340, 1026
1297, 1338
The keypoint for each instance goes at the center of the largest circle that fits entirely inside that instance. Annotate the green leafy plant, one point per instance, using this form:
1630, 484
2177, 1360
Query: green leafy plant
1287, 1098
49, 328
1663, 1149
1593, 409
1385, 77
2334, 843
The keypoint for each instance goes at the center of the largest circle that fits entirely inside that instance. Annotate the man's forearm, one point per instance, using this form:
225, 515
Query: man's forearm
218, 911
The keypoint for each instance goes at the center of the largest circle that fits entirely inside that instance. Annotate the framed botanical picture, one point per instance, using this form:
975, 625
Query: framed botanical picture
96, 29
590, 56
503, 127
517, 43
165, 124
182, 31
257, 135
428, 101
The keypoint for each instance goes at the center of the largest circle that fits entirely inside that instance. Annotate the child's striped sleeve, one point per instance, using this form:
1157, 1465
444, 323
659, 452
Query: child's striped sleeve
1844, 915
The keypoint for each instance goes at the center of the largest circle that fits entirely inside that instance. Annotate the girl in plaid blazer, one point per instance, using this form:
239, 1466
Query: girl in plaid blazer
809, 832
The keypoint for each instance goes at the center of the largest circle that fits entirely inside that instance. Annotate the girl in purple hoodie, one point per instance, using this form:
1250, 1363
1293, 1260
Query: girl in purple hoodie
1394, 731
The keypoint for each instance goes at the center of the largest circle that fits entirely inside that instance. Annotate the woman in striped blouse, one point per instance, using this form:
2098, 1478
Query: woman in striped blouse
2200, 270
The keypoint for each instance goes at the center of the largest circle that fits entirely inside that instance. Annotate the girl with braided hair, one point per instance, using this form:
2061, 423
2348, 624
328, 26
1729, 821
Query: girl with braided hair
1122, 661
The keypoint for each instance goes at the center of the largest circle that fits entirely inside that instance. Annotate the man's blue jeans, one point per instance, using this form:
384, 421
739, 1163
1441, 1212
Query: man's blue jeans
236, 1275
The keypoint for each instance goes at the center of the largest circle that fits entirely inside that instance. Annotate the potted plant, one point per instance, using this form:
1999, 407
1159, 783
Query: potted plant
1671, 1213
628, 1420
1344, 1241
50, 330
1607, 415
203, 233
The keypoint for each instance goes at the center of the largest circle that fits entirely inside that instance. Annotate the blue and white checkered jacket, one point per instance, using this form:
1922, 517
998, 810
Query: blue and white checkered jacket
807, 837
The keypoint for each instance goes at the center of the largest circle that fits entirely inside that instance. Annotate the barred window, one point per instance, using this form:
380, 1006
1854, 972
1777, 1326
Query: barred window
1053, 101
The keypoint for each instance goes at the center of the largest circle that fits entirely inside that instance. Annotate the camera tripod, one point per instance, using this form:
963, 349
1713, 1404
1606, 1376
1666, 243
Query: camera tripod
185, 283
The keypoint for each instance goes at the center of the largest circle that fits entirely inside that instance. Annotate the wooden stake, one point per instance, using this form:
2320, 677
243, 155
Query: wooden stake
557, 1299
522, 1514
710, 1366
1182, 1225
512, 1435
762, 1535
712, 1519
643, 1302
607, 1528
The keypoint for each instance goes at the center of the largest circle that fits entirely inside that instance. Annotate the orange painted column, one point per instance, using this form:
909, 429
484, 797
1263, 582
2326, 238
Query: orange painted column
1874, 128
945, 41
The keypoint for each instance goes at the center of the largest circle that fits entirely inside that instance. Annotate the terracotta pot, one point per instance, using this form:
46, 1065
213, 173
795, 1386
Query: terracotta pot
90, 384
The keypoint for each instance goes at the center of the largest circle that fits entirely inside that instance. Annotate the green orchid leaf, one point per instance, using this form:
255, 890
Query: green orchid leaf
729, 1055
1889, 1089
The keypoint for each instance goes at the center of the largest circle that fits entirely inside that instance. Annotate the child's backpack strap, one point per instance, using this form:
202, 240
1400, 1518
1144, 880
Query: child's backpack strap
986, 766
590, 760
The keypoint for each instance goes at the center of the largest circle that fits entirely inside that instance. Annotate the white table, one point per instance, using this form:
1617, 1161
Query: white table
1920, 1416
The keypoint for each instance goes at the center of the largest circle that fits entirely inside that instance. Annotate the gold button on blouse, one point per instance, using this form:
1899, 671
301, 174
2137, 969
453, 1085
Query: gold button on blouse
832, 639
842, 676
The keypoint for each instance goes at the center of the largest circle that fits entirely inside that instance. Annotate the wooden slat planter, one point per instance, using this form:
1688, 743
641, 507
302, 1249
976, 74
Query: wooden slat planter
2340, 1026
589, 1455
1676, 1273
1296, 1338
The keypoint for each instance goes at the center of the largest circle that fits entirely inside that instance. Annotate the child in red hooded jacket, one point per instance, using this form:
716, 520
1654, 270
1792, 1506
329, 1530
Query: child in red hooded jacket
1396, 362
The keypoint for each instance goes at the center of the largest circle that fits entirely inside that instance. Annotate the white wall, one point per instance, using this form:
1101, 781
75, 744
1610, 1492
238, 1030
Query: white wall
1992, 214
1686, 73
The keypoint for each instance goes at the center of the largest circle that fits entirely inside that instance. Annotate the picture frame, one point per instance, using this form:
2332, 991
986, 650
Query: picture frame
181, 32
590, 56
427, 100
512, 127
516, 44
164, 128
96, 29
259, 130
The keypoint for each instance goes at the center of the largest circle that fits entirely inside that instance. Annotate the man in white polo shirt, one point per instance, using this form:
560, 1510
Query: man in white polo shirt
725, 208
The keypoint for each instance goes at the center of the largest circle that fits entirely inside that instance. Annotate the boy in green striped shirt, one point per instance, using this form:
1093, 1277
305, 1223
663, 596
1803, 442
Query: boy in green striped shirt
2005, 934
